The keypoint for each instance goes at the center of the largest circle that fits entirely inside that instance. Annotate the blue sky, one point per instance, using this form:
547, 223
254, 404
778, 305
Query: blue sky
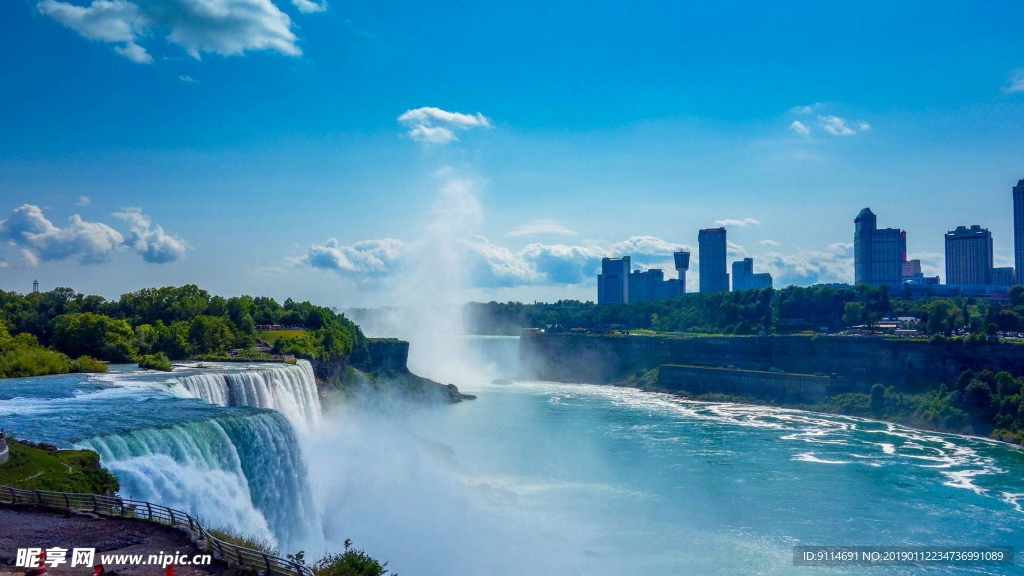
227, 143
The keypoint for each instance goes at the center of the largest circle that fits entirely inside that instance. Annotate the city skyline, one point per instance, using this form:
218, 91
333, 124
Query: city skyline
312, 165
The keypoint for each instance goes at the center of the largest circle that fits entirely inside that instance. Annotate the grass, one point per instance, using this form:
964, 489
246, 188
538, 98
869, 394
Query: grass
243, 541
271, 336
34, 467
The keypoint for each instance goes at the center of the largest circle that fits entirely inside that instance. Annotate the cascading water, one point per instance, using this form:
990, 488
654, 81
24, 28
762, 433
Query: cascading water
240, 472
290, 389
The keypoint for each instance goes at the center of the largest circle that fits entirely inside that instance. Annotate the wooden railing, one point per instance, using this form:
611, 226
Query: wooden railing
114, 506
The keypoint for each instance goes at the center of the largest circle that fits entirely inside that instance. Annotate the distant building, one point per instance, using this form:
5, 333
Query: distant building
1018, 231
911, 268
878, 254
921, 279
613, 281
713, 249
35, 286
743, 277
1002, 276
969, 256
682, 265
651, 285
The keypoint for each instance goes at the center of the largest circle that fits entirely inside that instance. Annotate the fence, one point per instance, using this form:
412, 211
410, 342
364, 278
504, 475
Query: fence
128, 508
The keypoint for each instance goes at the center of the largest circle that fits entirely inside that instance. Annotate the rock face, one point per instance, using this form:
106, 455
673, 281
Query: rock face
858, 362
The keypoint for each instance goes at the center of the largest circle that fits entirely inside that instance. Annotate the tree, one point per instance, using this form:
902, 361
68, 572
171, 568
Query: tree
878, 398
89, 334
210, 335
853, 312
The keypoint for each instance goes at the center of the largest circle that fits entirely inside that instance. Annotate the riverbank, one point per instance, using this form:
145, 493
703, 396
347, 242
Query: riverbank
32, 466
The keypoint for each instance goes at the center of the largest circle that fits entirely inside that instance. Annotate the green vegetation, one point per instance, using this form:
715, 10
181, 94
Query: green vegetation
178, 322
272, 336
42, 467
242, 540
158, 361
769, 311
22, 355
350, 563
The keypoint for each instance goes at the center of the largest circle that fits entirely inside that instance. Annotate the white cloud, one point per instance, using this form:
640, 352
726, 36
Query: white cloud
540, 228
366, 259
82, 201
733, 223
224, 27
838, 126
768, 242
151, 242
799, 127
806, 267
39, 239
307, 6
188, 79
804, 109
437, 126
1016, 82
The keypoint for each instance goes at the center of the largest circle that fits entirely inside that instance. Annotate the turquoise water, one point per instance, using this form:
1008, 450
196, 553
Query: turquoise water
540, 477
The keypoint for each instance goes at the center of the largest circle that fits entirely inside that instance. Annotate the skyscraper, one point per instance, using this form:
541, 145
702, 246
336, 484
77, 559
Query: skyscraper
714, 276
743, 277
613, 281
969, 256
1018, 231
878, 254
651, 285
682, 265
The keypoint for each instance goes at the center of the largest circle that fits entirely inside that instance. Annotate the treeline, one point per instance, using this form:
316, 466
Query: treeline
766, 311
178, 322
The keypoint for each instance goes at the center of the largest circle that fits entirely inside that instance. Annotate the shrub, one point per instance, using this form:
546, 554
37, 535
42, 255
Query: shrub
88, 364
158, 361
350, 563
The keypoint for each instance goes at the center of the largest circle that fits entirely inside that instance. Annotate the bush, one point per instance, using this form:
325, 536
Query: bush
158, 361
351, 563
244, 541
88, 364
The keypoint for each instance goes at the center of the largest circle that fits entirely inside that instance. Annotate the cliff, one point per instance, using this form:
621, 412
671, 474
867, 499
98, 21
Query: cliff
859, 362
382, 366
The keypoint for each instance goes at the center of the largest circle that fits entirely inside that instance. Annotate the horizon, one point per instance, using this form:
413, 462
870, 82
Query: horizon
313, 150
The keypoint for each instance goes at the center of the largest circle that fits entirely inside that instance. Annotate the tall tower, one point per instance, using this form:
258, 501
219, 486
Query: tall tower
1018, 231
878, 253
969, 256
35, 286
714, 275
613, 281
682, 265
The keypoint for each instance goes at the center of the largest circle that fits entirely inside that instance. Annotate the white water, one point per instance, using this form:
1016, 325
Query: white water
289, 389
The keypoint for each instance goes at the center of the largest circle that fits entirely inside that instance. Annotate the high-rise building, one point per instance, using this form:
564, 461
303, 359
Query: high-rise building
1018, 231
743, 277
878, 253
35, 285
714, 276
651, 285
911, 268
682, 265
613, 281
969, 256
1002, 276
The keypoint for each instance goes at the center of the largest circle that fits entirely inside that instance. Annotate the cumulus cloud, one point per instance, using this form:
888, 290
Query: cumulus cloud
800, 128
437, 126
188, 79
149, 241
540, 228
82, 201
1016, 83
307, 6
837, 126
39, 239
806, 267
224, 27
733, 223
768, 242
362, 260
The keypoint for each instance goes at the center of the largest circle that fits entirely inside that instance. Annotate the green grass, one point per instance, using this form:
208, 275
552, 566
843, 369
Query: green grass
243, 540
272, 336
37, 468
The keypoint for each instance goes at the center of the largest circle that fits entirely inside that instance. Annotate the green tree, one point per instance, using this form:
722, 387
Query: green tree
853, 313
210, 335
90, 334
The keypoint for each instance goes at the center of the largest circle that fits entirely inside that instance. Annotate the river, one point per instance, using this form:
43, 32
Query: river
541, 477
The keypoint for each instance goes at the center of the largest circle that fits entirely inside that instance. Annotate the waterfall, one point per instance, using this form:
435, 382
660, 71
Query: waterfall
245, 473
289, 389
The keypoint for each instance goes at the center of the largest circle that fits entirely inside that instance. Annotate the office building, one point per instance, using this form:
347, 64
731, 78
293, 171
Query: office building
911, 268
712, 246
1002, 276
1018, 231
651, 285
969, 256
878, 253
743, 277
613, 281
682, 265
